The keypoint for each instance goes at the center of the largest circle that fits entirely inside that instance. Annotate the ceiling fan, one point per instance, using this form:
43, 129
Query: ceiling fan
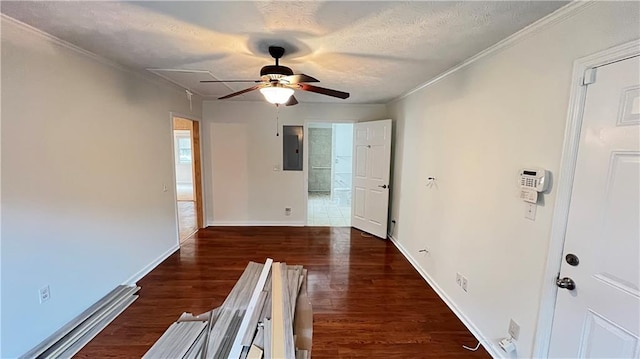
277, 83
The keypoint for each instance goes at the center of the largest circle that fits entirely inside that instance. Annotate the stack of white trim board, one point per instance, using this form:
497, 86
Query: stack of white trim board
69, 339
266, 315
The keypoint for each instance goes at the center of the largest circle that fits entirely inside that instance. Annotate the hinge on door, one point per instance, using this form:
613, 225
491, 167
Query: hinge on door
589, 76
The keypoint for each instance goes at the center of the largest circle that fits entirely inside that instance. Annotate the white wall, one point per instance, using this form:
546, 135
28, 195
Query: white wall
343, 133
342, 166
86, 149
473, 130
241, 150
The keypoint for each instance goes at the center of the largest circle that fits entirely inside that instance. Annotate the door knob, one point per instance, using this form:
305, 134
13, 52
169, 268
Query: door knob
566, 283
383, 186
572, 259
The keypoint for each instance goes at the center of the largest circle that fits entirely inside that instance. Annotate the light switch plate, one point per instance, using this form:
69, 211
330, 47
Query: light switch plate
530, 211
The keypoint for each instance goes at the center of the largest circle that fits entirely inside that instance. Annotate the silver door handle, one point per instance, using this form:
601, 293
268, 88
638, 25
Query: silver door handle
566, 283
383, 186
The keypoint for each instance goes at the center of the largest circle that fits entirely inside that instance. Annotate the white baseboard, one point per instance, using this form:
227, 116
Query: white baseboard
256, 224
149, 267
489, 345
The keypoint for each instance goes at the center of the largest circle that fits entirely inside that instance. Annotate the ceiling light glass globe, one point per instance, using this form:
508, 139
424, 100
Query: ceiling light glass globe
277, 95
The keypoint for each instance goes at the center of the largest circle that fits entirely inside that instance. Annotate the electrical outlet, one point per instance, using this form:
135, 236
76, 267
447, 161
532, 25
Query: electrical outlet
507, 345
465, 282
458, 279
514, 329
287, 211
44, 294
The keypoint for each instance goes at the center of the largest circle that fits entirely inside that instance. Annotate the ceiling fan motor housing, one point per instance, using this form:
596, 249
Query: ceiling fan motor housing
275, 70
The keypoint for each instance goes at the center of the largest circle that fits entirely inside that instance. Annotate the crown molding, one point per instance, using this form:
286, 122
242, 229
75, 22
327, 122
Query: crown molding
559, 15
88, 54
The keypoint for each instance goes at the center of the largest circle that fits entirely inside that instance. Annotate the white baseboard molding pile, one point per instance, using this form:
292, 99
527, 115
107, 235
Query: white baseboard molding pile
68, 340
255, 321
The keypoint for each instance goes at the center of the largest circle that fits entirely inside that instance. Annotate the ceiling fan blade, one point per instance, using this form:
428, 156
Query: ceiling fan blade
207, 81
324, 91
292, 101
252, 88
298, 78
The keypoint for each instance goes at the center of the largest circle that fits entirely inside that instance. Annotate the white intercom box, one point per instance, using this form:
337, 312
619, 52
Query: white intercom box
534, 178
531, 182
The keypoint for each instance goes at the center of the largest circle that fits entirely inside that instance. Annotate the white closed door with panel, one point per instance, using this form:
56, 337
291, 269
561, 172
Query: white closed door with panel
371, 170
597, 313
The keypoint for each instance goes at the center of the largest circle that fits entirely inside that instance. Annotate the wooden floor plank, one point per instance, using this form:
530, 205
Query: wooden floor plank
367, 299
277, 318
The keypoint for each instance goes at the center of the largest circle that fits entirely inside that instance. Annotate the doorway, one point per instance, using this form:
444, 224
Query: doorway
186, 145
330, 159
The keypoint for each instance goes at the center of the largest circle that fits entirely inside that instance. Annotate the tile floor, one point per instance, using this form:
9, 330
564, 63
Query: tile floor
187, 219
322, 211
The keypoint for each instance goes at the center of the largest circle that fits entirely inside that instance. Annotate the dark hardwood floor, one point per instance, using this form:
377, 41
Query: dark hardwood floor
367, 299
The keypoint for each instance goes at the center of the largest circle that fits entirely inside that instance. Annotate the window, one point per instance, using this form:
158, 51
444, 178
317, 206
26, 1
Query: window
184, 150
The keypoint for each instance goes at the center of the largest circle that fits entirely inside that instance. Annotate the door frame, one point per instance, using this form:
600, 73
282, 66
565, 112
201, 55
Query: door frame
200, 205
581, 72
305, 160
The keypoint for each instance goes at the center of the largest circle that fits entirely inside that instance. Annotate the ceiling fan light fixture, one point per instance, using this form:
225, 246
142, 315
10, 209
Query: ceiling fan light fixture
277, 95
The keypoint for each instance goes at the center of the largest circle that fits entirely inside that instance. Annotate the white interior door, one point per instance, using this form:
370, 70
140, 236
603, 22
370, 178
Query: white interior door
600, 318
371, 167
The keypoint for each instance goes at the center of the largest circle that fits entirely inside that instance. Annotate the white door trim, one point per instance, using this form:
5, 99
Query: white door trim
565, 185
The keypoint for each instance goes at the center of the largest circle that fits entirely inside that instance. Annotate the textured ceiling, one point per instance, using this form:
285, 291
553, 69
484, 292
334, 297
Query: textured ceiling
374, 50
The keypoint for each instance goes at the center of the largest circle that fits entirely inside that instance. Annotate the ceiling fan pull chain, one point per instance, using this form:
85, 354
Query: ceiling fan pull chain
277, 120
